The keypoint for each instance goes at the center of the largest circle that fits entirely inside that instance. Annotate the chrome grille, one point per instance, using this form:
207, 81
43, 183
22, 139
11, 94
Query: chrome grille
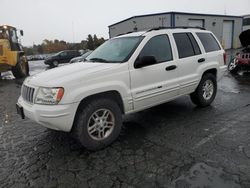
245, 56
28, 93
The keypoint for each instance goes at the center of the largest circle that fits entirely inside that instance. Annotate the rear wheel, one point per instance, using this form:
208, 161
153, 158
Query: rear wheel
233, 66
21, 69
206, 91
98, 124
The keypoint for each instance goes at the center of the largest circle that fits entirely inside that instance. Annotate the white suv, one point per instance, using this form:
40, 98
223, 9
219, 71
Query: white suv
126, 74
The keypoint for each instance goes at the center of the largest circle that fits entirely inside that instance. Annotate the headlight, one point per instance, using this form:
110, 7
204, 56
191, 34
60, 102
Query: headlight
49, 95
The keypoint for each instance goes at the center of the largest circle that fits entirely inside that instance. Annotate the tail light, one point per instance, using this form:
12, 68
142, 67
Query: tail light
225, 58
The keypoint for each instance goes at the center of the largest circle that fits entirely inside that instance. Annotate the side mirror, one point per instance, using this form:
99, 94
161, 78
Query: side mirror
144, 61
21, 32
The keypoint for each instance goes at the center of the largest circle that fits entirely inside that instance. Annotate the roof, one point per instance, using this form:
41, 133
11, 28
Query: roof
7, 26
182, 13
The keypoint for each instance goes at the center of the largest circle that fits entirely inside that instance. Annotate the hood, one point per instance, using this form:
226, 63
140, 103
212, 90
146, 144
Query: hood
245, 38
49, 58
75, 72
77, 58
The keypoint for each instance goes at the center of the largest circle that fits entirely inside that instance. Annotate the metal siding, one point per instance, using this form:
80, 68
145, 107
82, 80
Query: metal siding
142, 24
213, 23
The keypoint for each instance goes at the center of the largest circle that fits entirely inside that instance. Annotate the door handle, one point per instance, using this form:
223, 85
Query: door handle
201, 60
172, 67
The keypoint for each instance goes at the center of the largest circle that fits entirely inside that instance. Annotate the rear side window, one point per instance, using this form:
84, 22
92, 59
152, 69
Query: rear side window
186, 45
196, 47
159, 47
209, 42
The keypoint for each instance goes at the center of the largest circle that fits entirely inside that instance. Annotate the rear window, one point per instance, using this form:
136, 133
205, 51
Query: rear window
186, 45
209, 42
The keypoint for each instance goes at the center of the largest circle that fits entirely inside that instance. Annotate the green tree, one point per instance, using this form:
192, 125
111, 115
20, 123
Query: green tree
96, 41
90, 42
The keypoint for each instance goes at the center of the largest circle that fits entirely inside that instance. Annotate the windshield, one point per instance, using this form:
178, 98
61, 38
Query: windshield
115, 50
86, 54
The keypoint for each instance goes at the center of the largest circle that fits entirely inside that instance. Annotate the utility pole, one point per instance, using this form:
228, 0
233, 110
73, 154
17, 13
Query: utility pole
73, 32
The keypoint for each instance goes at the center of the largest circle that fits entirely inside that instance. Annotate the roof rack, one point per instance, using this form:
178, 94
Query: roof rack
178, 27
159, 28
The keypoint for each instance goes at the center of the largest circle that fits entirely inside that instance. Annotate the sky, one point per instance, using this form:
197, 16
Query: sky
73, 20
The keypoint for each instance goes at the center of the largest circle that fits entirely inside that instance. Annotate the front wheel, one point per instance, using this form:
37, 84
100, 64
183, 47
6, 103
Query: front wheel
206, 91
233, 66
55, 63
98, 124
21, 69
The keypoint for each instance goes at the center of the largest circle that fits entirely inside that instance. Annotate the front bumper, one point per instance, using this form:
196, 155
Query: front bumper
57, 117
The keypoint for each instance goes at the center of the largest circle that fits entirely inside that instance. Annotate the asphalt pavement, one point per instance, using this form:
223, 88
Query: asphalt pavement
172, 145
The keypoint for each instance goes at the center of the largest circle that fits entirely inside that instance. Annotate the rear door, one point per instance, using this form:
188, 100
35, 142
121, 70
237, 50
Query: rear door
156, 83
70, 55
189, 60
62, 56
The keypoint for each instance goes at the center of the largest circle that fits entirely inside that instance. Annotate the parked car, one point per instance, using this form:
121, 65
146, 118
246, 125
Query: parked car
242, 59
126, 74
61, 57
81, 58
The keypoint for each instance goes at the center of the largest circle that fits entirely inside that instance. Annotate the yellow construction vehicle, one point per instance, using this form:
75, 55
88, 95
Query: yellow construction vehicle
12, 56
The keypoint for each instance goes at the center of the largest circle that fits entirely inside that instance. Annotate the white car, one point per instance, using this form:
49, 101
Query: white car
126, 74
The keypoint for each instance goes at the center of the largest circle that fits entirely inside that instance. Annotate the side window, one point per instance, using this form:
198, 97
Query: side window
209, 42
159, 47
186, 45
195, 45
63, 54
13, 36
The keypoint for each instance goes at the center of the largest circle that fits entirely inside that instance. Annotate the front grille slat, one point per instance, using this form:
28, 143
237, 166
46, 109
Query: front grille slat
32, 95
1, 50
245, 56
28, 93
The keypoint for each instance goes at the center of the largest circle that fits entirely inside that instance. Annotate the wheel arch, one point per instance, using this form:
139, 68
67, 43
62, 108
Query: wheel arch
211, 71
113, 94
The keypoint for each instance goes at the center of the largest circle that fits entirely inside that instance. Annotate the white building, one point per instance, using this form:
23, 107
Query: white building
226, 28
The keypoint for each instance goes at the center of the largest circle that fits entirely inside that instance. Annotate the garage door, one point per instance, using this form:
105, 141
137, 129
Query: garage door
196, 23
227, 37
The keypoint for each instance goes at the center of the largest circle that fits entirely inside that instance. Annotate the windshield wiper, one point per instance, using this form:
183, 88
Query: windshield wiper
98, 60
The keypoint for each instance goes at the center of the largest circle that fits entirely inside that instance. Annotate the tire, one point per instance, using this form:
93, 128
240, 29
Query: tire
206, 91
55, 63
21, 69
89, 124
233, 66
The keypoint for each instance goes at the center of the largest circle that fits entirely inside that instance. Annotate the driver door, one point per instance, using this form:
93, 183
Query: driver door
156, 83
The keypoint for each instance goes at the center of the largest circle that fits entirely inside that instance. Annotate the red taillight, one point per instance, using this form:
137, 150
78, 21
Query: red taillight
225, 58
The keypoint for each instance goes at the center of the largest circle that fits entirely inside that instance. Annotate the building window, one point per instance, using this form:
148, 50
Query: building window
196, 22
246, 21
